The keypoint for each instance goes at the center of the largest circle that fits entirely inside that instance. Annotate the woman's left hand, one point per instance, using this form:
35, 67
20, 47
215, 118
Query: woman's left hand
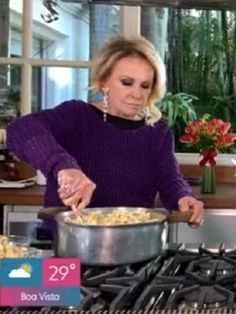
189, 203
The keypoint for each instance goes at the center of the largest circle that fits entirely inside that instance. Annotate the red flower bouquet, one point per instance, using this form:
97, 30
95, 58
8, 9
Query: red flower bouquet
208, 137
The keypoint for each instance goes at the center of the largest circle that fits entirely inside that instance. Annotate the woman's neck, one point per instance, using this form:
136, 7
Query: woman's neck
99, 106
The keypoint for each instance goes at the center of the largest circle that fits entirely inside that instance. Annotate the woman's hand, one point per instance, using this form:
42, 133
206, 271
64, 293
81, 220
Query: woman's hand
189, 203
75, 189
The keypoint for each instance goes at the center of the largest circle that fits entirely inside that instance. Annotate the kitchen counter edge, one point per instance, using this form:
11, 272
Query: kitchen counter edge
225, 196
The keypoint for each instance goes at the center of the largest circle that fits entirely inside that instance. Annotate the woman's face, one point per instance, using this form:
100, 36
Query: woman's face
130, 85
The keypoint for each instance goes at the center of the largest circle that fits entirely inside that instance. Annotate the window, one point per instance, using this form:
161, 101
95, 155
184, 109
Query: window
49, 62
199, 48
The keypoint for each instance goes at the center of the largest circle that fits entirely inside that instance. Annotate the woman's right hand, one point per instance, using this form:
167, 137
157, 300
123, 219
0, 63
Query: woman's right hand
75, 188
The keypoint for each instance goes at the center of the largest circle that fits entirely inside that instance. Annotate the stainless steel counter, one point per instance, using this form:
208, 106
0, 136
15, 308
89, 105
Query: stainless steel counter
219, 227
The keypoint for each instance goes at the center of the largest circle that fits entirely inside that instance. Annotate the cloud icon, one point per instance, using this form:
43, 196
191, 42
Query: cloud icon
19, 273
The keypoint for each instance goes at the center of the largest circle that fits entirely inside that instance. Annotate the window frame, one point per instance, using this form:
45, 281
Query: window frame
130, 25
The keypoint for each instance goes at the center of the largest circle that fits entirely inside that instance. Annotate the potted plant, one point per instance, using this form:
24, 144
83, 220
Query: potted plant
178, 110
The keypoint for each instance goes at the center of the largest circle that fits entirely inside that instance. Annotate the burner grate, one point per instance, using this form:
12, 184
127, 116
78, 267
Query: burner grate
170, 284
63, 311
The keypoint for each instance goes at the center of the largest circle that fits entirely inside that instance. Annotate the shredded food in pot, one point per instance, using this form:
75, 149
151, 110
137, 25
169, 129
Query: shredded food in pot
9, 249
116, 217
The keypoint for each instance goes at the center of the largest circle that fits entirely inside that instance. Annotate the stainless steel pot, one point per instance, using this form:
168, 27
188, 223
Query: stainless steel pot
117, 244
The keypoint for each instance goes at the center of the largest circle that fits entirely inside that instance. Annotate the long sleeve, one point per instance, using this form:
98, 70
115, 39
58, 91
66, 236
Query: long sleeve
128, 166
171, 185
35, 138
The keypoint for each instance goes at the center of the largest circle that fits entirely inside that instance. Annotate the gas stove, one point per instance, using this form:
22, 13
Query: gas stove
185, 279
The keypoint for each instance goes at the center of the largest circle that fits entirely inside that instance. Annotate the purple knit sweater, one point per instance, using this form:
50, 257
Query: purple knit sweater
128, 166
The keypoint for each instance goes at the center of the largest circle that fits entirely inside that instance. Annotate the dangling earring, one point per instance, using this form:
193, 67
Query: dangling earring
105, 105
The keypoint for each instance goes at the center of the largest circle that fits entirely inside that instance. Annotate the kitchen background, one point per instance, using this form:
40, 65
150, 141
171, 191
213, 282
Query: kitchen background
46, 48
45, 52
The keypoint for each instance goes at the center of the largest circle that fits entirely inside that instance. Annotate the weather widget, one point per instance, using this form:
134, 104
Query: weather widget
40, 282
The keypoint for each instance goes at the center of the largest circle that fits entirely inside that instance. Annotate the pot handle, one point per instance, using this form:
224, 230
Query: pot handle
50, 212
178, 216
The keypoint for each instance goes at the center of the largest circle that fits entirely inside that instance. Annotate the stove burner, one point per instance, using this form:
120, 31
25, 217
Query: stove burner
202, 298
216, 267
206, 298
180, 281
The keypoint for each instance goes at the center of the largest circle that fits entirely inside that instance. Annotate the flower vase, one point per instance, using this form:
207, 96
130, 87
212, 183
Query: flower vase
209, 180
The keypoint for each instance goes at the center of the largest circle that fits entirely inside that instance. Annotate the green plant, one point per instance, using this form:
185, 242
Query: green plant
13, 99
178, 110
13, 94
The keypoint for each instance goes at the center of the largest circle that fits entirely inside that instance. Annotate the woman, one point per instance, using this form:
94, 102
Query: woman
112, 153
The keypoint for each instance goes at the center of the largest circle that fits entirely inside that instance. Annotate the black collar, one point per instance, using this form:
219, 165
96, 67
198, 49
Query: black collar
122, 123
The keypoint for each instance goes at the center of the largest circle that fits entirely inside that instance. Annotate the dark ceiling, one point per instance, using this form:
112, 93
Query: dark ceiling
185, 4
199, 4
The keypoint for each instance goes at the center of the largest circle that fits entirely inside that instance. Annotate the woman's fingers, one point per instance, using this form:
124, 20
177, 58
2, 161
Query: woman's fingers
67, 191
196, 208
75, 188
196, 219
81, 205
197, 214
85, 200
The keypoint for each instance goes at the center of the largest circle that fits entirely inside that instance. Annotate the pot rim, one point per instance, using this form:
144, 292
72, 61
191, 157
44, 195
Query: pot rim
60, 217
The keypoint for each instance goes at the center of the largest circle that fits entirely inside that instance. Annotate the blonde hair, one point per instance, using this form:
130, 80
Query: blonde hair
120, 47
